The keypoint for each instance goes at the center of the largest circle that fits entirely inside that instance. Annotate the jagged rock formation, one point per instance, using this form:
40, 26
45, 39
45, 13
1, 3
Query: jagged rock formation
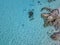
52, 19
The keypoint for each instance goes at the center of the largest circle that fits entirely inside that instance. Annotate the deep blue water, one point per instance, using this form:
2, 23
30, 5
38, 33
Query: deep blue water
15, 27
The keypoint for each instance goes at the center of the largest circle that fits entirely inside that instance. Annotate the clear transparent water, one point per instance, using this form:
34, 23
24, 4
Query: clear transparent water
15, 27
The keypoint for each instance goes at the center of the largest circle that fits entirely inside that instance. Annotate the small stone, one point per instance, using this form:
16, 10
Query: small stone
31, 14
38, 1
23, 25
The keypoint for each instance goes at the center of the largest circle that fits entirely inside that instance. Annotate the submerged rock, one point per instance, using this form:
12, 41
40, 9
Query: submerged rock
55, 36
50, 18
54, 13
53, 19
57, 24
46, 8
31, 15
50, 1
45, 15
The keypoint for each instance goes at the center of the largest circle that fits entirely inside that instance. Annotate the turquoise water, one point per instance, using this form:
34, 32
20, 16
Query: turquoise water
15, 27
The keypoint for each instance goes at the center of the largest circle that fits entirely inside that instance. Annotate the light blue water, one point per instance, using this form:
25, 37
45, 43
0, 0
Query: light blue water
15, 27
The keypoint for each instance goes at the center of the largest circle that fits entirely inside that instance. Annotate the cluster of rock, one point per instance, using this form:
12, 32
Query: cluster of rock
52, 19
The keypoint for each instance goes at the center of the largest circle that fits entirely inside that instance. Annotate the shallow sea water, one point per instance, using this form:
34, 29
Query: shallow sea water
16, 27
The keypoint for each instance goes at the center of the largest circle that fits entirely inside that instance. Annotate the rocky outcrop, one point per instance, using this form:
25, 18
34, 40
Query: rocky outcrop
52, 19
